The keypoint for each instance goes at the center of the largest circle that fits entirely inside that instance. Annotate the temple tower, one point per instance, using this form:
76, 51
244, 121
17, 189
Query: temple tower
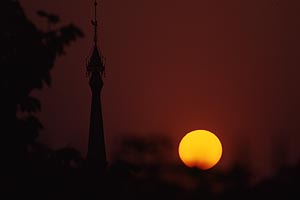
95, 69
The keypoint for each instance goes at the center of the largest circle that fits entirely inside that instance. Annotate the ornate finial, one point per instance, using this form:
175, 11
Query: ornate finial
95, 22
95, 61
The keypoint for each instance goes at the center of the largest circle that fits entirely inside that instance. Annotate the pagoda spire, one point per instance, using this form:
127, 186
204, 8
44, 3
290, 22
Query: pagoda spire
96, 154
95, 62
95, 23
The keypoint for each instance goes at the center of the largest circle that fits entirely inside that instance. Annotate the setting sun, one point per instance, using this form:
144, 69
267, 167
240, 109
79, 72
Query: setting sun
201, 149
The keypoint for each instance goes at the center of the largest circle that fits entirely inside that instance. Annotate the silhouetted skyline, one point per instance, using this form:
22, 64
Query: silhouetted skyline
229, 67
142, 167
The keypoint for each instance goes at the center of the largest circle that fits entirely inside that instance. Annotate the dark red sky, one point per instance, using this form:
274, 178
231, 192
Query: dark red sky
173, 66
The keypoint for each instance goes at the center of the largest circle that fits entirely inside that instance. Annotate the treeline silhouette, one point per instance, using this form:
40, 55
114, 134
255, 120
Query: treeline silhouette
140, 170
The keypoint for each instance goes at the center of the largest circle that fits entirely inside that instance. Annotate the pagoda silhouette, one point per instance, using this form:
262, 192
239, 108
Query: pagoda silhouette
95, 70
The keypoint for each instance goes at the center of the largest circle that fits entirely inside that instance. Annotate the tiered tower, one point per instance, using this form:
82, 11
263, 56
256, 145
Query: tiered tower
95, 69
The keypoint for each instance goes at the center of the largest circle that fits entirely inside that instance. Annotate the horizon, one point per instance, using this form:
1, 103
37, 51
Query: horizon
243, 53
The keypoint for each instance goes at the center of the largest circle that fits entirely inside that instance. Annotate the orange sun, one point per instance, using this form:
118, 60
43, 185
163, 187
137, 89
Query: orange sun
201, 149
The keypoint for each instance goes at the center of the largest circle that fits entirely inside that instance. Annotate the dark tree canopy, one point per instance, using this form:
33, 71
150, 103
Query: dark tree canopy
27, 55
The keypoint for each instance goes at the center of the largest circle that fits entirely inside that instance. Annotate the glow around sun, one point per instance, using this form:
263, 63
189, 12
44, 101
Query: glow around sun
201, 149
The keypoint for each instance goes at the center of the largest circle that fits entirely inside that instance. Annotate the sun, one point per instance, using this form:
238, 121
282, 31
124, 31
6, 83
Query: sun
201, 149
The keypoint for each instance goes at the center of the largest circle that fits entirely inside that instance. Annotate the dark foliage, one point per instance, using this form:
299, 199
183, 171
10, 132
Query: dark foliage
27, 54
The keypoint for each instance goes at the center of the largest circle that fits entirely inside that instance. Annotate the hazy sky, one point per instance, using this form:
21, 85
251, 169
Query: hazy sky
173, 66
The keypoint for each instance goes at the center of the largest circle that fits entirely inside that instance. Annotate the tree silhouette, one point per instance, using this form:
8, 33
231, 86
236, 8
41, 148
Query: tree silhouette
27, 54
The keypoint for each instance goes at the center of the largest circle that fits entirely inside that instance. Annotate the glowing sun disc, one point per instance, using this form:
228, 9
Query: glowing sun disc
201, 149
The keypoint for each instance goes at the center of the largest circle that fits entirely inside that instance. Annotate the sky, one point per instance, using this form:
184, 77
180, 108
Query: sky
230, 67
